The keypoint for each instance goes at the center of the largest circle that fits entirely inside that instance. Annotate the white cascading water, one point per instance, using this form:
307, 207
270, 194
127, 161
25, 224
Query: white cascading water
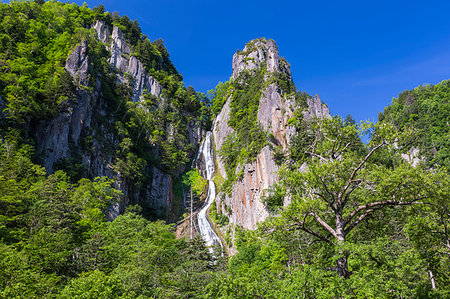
206, 230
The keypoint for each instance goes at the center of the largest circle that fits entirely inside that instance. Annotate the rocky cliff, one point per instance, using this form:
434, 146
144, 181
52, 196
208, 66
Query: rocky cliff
85, 131
243, 205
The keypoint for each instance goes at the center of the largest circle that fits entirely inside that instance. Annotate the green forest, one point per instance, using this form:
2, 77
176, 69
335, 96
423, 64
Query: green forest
348, 219
36, 40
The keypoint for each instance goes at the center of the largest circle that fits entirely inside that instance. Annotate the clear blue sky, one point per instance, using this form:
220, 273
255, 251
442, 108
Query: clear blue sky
356, 55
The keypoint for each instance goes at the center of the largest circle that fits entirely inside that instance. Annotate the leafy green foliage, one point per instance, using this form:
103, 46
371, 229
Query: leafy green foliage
217, 216
428, 231
274, 198
56, 241
18, 173
35, 42
427, 109
55, 238
193, 179
248, 139
220, 96
390, 253
282, 80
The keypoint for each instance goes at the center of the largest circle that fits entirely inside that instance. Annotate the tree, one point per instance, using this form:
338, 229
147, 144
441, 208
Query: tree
99, 10
341, 187
94, 284
429, 231
17, 175
91, 198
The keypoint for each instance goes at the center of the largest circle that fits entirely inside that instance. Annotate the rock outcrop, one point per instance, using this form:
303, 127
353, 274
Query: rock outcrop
257, 53
413, 156
103, 31
62, 137
274, 111
78, 63
122, 61
316, 109
55, 136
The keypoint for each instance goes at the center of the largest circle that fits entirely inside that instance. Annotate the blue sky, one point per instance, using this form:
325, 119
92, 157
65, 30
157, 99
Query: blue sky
356, 55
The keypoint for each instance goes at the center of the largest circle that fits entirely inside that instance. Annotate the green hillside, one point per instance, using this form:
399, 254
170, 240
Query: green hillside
427, 109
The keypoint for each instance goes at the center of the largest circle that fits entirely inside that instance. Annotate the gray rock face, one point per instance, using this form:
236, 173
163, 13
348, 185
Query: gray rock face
257, 52
289, 131
61, 137
54, 141
103, 31
78, 63
245, 201
413, 156
160, 197
221, 130
119, 51
54, 137
246, 204
316, 109
274, 111
142, 82
195, 132
269, 110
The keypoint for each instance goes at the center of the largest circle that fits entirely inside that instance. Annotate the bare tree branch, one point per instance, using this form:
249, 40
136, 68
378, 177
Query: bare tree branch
341, 151
357, 221
347, 196
355, 171
311, 232
324, 225
330, 202
295, 226
378, 205
334, 145
325, 186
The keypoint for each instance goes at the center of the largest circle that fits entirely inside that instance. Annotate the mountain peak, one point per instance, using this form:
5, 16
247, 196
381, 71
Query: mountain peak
258, 53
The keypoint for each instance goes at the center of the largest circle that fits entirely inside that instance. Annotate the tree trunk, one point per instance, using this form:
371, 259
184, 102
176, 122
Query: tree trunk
342, 267
341, 263
433, 283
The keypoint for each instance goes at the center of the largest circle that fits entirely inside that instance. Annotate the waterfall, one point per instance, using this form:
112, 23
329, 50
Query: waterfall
206, 230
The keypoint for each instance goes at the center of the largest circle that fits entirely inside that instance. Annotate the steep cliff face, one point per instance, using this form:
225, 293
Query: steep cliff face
245, 202
243, 205
316, 109
53, 138
221, 130
120, 59
87, 118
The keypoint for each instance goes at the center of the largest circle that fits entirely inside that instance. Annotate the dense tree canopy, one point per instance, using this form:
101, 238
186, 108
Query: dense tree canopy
358, 222
427, 109
56, 241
